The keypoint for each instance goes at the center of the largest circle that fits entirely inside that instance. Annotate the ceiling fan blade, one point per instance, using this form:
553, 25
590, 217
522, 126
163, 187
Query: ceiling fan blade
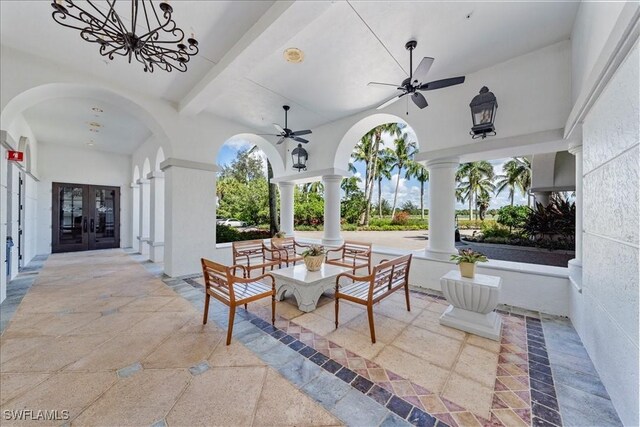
419, 100
383, 85
420, 74
281, 140
304, 141
390, 101
278, 128
439, 84
301, 132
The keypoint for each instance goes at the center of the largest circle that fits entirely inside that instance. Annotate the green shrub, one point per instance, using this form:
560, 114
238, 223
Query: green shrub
495, 230
513, 216
225, 234
465, 224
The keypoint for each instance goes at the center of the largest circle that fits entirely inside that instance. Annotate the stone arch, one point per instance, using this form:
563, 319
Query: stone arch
355, 132
17, 105
277, 164
25, 147
146, 168
159, 158
136, 173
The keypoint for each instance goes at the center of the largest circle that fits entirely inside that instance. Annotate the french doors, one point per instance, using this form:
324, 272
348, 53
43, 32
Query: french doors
85, 217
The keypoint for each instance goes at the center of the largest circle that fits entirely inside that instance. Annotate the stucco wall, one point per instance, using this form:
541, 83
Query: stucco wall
82, 166
606, 313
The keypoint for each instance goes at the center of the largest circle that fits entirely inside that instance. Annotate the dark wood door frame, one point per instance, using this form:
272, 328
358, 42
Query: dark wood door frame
82, 229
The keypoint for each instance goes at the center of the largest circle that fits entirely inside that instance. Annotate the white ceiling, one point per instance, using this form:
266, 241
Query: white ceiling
240, 72
66, 121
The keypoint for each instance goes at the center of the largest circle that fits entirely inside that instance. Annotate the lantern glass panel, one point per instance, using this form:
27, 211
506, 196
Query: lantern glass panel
483, 114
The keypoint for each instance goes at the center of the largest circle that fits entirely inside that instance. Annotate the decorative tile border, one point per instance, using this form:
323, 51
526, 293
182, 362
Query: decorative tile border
523, 387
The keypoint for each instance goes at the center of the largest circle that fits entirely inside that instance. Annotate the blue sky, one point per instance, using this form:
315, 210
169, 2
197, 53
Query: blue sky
407, 190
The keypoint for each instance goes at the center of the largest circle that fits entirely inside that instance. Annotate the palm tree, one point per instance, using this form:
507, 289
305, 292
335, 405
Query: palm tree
403, 153
421, 173
516, 176
482, 203
383, 170
274, 224
313, 187
474, 179
375, 136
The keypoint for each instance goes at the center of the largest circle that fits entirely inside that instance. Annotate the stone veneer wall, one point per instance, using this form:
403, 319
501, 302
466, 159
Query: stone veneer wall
605, 314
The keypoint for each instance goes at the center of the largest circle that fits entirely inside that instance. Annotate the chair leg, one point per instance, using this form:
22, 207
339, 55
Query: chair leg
273, 308
371, 327
232, 315
406, 294
206, 309
337, 311
245, 305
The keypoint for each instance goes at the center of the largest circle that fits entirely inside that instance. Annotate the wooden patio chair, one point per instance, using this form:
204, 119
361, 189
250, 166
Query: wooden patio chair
255, 255
386, 278
290, 250
354, 255
222, 283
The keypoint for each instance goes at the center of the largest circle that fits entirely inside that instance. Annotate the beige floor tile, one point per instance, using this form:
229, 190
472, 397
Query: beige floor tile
141, 399
281, 404
147, 303
64, 391
347, 311
183, 350
119, 352
56, 354
509, 418
487, 344
434, 348
13, 385
178, 304
387, 329
396, 311
513, 400
469, 394
287, 309
466, 419
11, 347
513, 383
477, 364
413, 368
356, 342
110, 324
36, 324
433, 404
220, 396
315, 323
431, 321
437, 307
234, 354
161, 322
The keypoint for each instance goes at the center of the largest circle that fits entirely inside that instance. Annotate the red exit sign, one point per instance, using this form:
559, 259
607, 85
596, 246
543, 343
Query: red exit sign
16, 156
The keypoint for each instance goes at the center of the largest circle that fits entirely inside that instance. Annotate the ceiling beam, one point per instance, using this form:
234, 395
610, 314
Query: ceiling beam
278, 25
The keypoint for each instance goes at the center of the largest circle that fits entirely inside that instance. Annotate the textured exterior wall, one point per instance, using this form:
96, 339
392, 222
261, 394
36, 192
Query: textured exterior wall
606, 313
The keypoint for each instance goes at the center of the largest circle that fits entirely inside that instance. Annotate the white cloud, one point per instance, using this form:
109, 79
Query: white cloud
239, 143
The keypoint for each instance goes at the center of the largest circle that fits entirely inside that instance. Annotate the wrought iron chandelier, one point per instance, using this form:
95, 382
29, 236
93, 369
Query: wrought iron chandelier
152, 37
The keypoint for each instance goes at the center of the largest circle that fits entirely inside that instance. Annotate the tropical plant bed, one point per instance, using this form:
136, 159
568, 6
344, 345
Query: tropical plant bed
522, 244
225, 234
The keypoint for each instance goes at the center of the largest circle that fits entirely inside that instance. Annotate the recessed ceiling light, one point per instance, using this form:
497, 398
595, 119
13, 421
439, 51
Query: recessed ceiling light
97, 110
293, 54
95, 124
94, 130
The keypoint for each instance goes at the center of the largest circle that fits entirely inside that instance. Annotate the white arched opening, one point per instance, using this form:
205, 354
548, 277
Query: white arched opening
159, 158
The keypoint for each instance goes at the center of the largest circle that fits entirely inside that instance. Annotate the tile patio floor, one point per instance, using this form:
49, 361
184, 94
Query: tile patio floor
101, 336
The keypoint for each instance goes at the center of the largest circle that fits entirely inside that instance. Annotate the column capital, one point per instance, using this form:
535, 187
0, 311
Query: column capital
134, 184
332, 178
142, 181
450, 162
575, 148
188, 164
155, 174
286, 184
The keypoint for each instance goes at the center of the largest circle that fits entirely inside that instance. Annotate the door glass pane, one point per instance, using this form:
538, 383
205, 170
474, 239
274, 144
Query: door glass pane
70, 227
105, 214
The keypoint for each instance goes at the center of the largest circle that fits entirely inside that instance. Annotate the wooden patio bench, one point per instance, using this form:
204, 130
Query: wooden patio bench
255, 255
222, 283
288, 248
386, 278
354, 255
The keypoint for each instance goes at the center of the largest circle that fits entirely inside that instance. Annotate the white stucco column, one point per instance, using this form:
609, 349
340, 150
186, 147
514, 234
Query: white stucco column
332, 235
144, 212
442, 208
575, 265
3, 221
156, 227
135, 217
190, 215
286, 207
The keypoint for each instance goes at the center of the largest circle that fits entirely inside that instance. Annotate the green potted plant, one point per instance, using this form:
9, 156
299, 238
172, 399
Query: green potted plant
466, 260
313, 257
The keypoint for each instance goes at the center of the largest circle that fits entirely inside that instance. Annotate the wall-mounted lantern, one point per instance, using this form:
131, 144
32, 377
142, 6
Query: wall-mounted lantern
483, 112
299, 156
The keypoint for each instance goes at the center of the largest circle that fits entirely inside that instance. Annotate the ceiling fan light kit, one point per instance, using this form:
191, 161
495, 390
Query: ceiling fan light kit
152, 38
415, 83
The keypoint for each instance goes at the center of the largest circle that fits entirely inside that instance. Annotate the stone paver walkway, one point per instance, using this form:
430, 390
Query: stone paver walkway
99, 341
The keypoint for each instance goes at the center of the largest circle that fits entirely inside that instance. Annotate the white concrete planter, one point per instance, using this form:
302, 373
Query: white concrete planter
473, 301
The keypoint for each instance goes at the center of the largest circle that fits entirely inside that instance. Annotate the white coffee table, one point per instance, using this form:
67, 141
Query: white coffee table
306, 286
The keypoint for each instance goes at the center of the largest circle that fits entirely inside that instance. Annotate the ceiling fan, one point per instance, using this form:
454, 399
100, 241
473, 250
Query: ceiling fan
286, 133
415, 81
